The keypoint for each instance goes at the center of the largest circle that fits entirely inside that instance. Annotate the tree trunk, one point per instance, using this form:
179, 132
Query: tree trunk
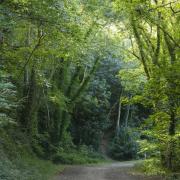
86, 81
64, 125
118, 119
127, 116
140, 47
172, 105
119, 114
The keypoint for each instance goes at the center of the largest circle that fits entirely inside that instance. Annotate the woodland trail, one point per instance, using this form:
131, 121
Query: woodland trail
112, 171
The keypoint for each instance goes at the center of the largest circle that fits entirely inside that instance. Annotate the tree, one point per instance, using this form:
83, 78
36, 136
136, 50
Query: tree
153, 33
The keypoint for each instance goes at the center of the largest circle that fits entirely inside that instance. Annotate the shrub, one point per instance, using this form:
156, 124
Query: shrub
151, 167
17, 160
81, 155
124, 146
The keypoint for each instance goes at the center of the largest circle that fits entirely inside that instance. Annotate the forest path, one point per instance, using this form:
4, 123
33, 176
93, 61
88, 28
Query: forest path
112, 171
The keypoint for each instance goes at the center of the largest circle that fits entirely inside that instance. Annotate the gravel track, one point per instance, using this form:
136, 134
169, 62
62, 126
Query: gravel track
113, 171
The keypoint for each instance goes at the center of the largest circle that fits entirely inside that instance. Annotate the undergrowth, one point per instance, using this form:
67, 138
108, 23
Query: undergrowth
19, 162
26, 168
153, 167
81, 155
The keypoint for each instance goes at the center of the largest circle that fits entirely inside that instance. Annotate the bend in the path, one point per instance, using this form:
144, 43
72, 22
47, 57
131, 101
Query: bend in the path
112, 171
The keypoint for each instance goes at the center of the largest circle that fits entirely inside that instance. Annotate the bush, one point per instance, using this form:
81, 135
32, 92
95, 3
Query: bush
124, 147
151, 167
81, 155
17, 160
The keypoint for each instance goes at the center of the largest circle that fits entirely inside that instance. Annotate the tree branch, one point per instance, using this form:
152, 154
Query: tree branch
31, 54
163, 5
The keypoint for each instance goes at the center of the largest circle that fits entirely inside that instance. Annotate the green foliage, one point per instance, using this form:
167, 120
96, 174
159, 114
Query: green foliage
17, 161
90, 116
8, 100
59, 70
151, 167
124, 147
26, 168
157, 52
148, 149
80, 155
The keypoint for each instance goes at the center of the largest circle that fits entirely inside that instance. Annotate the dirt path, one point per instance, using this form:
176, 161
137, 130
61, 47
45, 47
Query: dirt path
113, 171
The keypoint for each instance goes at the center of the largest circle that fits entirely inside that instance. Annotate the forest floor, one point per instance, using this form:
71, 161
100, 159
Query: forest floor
111, 171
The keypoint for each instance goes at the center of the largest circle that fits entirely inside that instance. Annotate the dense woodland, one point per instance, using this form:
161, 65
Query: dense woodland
82, 80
